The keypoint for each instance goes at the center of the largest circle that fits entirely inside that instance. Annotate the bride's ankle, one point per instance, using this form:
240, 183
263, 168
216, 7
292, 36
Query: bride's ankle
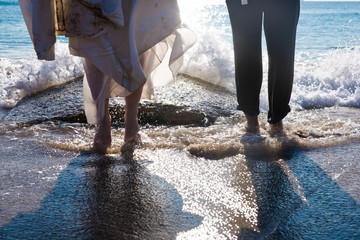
131, 133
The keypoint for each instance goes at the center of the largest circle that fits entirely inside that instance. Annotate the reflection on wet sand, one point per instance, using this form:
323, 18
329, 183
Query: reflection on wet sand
287, 193
104, 197
207, 179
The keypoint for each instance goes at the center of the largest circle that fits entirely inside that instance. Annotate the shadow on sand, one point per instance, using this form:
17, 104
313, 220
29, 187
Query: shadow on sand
296, 199
104, 197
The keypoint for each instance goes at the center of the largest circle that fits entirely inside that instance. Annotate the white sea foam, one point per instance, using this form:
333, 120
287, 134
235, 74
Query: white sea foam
332, 79
23, 77
322, 79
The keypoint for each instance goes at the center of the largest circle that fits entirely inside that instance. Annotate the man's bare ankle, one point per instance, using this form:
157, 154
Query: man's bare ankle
277, 129
252, 123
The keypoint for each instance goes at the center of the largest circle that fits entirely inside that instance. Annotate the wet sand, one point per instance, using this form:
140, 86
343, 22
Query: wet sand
198, 175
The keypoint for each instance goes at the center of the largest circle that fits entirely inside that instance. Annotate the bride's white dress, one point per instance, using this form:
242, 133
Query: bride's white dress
125, 43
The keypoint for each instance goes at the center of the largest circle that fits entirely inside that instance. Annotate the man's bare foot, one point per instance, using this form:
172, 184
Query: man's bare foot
277, 129
102, 139
252, 124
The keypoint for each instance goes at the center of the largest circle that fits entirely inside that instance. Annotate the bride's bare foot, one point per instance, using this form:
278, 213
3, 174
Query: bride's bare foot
132, 140
132, 133
129, 146
102, 139
132, 137
131, 129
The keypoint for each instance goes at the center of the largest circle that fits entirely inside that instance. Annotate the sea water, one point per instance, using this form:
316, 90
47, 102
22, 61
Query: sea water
327, 71
35, 157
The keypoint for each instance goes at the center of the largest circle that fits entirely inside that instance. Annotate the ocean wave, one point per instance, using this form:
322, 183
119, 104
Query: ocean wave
329, 79
9, 3
20, 78
332, 79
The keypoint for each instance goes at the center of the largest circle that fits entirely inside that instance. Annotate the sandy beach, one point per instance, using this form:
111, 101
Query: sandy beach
197, 176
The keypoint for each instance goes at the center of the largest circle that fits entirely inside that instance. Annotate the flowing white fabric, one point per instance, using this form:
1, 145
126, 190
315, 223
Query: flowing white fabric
125, 43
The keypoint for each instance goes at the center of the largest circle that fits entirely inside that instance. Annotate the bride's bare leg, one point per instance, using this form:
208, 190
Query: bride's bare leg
102, 139
131, 116
132, 103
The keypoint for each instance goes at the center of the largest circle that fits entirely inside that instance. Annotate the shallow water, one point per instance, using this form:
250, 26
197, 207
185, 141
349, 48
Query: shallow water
205, 122
198, 174
184, 183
